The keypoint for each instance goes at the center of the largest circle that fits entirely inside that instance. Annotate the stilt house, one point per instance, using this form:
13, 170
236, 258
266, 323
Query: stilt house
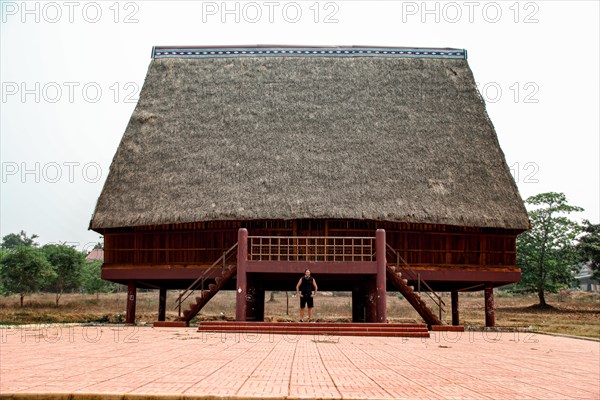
377, 168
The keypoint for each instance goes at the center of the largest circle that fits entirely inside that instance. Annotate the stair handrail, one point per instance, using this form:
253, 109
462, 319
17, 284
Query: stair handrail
438, 300
192, 288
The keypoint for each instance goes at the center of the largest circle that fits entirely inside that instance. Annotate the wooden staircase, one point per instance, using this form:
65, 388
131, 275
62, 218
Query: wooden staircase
206, 295
228, 271
394, 275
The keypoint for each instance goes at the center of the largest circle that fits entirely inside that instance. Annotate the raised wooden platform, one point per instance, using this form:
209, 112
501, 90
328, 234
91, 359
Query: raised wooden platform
318, 328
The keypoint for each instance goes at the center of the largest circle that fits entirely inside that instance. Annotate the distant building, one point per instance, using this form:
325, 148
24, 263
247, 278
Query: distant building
584, 280
95, 255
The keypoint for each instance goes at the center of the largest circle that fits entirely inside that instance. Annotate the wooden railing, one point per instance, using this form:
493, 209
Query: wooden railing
311, 248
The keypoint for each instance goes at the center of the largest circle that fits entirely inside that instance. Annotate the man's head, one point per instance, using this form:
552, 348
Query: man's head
307, 272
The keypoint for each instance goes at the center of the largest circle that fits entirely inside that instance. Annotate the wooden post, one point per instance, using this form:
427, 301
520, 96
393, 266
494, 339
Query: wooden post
250, 300
179, 304
259, 304
358, 305
371, 301
489, 305
380, 283
242, 284
162, 304
454, 298
131, 298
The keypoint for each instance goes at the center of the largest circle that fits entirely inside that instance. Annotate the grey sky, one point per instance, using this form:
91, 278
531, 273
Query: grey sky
71, 72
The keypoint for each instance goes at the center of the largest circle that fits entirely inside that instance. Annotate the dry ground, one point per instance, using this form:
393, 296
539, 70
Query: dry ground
573, 313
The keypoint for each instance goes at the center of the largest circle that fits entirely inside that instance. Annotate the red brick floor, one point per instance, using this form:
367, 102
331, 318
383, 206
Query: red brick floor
182, 362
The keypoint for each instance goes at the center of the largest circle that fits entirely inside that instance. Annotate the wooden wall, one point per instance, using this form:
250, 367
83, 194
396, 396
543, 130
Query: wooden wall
204, 242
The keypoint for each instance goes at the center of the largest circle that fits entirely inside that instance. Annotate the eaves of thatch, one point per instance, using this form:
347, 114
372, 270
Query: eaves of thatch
220, 135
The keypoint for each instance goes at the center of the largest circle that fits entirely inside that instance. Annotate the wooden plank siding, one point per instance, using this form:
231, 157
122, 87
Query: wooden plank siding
203, 242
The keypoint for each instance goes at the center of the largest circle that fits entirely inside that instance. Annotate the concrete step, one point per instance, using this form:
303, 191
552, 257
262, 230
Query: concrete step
448, 328
309, 327
170, 324
319, 324
317, 328
324, 333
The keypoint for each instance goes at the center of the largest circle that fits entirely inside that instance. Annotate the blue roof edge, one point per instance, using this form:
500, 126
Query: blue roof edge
305, 51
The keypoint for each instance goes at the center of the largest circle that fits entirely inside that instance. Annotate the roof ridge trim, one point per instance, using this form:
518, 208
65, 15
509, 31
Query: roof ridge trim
305, 51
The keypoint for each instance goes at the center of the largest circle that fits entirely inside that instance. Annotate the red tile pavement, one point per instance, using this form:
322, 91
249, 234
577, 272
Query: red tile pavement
184, 363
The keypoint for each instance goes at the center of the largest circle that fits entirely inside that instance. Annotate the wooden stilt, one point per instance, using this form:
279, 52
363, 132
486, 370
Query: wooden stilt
162, 304
455, 315
242, 284
259, 304
131, 299
358, 305
381, 293
251, 297
371, 301
489, 305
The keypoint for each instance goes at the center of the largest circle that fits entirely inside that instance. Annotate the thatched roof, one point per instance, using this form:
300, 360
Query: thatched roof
396, 136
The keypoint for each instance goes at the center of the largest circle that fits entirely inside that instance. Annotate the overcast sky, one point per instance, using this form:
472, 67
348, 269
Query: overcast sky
71, 73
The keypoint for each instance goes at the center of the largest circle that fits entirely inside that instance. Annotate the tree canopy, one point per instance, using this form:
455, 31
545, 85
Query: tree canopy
589, 246
67, 264
24, 270
547, 252
14, 240
92, 282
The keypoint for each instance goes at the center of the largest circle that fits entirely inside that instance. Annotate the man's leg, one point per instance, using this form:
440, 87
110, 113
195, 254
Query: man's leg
310, 312
302, 313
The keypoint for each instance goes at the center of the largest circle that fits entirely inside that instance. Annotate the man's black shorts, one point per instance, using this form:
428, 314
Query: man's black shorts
306, 300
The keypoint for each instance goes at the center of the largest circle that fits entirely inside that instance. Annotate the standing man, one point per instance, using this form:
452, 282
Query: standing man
304, 288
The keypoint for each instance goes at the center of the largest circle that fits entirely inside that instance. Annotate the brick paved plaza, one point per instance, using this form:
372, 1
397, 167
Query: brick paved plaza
126, 362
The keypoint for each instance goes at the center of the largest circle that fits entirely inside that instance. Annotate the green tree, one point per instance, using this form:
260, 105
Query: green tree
24, 270
547, 252
14, 240
67, 264
589, 246
92, 282
2, 253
